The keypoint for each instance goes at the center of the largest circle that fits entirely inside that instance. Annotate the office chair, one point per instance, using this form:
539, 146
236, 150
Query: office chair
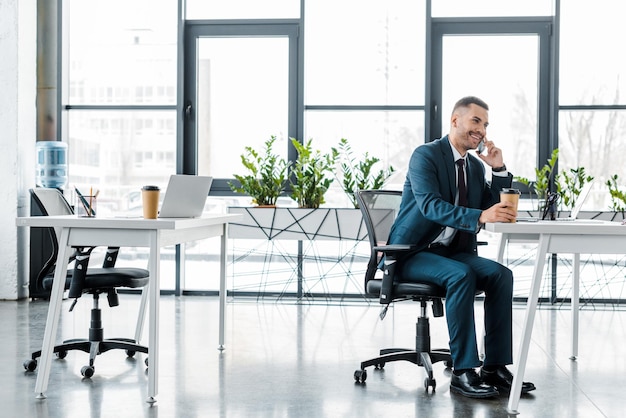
94, 281
379, 209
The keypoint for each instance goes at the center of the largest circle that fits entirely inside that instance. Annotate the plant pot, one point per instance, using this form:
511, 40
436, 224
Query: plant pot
297, 223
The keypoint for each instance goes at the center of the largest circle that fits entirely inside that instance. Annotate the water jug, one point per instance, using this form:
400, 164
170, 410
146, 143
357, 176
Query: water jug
51, 164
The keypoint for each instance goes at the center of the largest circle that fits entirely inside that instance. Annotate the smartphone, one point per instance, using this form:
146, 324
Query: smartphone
481, 147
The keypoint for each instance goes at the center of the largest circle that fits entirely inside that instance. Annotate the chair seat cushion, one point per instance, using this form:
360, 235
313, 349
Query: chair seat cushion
102, 278
407, 289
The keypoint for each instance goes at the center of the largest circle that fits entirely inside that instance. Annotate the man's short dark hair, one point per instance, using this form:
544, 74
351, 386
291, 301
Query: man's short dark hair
468, 100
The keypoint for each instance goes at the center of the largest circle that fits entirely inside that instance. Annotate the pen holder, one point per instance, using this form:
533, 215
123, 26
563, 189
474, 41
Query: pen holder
86, 206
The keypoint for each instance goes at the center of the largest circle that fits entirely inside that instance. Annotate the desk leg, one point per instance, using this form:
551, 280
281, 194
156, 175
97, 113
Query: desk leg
222, 287
154, 287
504, 238
531, 307
54, 312
575, 302
141, 316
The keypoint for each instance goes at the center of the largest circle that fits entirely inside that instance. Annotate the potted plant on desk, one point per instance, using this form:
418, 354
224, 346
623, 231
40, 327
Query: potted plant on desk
618, 197
541, 186
570, 184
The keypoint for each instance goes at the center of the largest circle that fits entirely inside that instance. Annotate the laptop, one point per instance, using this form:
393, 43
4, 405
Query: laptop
580, 201
185, 196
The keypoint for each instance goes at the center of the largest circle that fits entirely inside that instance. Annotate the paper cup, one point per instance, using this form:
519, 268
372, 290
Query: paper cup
510, 195
150, 201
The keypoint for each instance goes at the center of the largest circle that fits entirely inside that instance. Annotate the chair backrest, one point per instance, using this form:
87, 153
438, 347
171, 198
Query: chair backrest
51, 202
379, 209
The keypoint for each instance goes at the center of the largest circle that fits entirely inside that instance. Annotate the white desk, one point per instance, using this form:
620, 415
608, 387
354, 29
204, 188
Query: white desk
125, 232
576, 237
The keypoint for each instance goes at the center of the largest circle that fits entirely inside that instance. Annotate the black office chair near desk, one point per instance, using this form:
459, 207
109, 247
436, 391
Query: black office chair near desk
84, 279
379, 209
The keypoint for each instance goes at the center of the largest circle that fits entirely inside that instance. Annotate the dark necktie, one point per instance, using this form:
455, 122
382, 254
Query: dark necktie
461, 182
462, 238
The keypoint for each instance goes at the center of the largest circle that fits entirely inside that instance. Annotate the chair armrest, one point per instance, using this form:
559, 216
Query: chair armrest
81, 263
392, 253
111, 257
395, 248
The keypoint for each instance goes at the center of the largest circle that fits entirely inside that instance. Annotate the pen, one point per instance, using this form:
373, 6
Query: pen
83, 201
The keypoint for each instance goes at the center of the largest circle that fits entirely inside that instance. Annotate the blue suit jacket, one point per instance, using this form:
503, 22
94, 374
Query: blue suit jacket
427, 205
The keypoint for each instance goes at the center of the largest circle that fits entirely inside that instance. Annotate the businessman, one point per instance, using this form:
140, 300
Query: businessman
445, 201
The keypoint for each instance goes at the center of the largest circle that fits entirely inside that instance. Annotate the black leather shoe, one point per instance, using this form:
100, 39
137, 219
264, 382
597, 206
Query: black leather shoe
502, 378
471, 385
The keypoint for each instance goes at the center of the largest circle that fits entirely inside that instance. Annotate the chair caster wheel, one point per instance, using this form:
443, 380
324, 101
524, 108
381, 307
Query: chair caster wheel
30, 365
360, 376
146, 361
87, 371
130, 353
430, 382
61, 354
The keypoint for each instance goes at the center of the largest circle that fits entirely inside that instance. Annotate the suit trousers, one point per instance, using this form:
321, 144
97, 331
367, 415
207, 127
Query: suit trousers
461, 274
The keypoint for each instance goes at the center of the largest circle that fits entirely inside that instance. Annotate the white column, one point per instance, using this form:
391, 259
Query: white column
18, 22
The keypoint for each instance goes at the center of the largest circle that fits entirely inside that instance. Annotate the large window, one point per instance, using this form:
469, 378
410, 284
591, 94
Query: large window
120, 95
242, 9
376, 59
240, 101
592, 86
364, 79
483, 8
514, 111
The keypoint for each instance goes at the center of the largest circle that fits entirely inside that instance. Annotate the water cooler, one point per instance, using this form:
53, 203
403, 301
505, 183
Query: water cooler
51, 172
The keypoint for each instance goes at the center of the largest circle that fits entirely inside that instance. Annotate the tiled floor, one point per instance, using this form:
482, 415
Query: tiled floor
297, 360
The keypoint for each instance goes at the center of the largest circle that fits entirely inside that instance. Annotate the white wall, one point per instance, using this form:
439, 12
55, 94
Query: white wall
18, 23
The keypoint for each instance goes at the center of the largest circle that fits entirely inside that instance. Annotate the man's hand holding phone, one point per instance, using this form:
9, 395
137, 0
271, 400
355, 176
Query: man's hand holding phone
481, 147
493, 156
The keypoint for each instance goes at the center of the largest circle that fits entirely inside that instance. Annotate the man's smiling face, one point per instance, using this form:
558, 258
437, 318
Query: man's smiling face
468, 127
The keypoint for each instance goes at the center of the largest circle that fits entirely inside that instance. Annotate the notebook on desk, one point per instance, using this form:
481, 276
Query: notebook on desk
185, 196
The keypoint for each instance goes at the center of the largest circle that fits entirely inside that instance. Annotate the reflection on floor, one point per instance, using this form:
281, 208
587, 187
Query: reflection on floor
297, 360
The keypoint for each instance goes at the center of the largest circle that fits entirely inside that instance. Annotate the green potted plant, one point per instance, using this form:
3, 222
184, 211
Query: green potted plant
266, 177
359, 175
311, 175
541, 185
570, 183
618, 197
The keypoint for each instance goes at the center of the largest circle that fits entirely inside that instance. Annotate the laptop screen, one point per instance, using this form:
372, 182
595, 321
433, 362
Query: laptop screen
580, 201
185, 196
